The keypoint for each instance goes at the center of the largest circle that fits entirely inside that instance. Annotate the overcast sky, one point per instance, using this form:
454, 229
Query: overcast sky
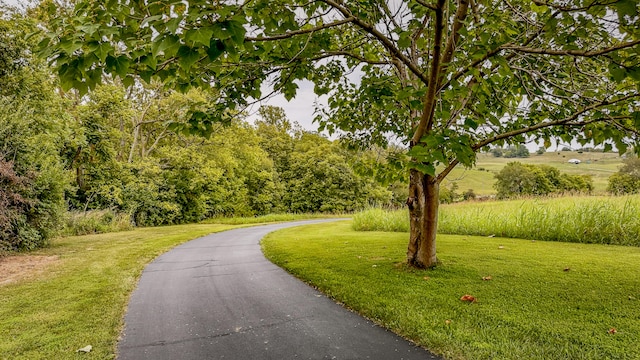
300, 109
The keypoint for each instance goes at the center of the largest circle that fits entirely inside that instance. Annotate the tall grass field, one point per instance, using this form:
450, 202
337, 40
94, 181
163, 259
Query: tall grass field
593, 220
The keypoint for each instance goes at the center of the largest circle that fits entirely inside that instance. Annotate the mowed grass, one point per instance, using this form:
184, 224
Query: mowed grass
481, 178
584, 219
80, 299
545, 300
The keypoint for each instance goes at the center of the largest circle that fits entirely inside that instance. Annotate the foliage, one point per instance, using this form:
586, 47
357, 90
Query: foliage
627, 179
321, 179
530, 309
517, 179
238, 170
31, 132
490, 59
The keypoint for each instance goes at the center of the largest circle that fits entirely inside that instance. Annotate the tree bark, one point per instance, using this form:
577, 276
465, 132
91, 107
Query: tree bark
423, 204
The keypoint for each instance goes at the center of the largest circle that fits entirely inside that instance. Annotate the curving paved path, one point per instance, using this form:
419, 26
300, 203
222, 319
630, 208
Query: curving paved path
217, 297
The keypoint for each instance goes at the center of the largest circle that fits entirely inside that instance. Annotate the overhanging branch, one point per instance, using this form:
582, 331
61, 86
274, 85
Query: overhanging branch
566, 121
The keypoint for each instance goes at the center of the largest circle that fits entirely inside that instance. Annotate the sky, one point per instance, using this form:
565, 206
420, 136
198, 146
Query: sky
300, 109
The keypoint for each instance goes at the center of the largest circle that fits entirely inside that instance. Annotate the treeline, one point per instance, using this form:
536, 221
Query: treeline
133, 153
116, 150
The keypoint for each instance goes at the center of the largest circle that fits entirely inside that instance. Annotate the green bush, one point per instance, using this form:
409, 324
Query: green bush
517, 179
627, 179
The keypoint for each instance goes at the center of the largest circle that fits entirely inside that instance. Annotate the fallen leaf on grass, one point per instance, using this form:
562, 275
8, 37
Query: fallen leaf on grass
486, 278
426, 278
612, 331
566, 269
447, 322
468, 298
85, 349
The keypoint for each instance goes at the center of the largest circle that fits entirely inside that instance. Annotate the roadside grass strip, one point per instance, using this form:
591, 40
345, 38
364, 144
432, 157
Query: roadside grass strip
538, 300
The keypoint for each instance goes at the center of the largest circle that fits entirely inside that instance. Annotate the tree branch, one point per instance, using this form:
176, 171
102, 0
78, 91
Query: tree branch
426, 120
542, 125
352, 55
530, 50
300, 32
386, 42
427, 5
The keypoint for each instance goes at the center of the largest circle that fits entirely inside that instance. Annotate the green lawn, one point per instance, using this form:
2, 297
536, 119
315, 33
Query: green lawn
546, 300
481, 178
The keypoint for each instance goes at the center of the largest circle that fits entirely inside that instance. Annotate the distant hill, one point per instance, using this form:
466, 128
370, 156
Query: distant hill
481, 178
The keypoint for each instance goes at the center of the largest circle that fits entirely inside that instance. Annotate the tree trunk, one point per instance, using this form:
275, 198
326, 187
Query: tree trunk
423, 211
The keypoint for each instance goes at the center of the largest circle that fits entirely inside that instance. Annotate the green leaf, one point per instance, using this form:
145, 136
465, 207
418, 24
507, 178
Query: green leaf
150, 19
636, 119
121, 66
216, 48
404, 42
236, 30
199, 36
173, 24
169, 46
104, 50
539, 9
69, 46
427, 169
626, 7
187, 57
634, 72
470, 123
607, 147
617, 73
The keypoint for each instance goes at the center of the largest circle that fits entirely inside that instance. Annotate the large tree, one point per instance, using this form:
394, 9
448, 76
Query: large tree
446, 78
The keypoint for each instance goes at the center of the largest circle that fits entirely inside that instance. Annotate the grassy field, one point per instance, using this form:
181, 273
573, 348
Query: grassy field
79, 295
599, 165
583, 219
545, 300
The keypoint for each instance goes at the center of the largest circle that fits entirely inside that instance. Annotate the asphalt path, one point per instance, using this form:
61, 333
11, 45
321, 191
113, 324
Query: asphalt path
218, 297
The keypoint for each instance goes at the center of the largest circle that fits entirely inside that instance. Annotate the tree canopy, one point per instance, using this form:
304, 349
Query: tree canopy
444, 77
